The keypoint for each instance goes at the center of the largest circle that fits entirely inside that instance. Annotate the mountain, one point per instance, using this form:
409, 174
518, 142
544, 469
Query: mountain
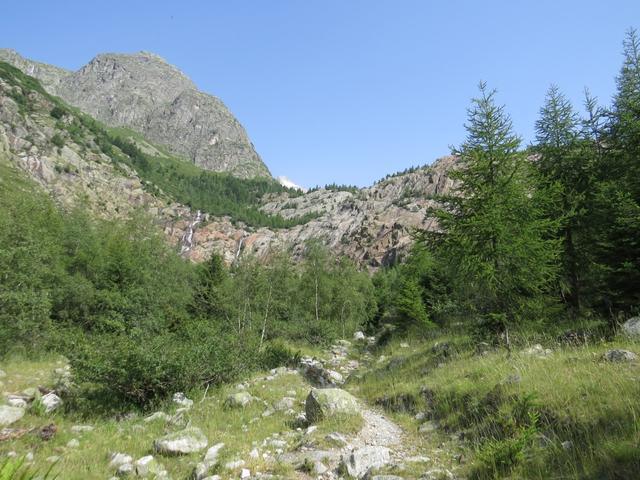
112, 172
144, 93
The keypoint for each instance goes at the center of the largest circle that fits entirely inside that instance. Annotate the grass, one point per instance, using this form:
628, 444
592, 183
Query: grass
515, 411
241, 430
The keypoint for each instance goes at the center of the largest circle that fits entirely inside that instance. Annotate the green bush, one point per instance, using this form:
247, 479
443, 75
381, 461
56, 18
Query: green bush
279, 354
57, 140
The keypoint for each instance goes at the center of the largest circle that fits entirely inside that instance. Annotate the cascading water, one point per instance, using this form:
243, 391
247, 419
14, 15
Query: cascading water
239, 250
187, 238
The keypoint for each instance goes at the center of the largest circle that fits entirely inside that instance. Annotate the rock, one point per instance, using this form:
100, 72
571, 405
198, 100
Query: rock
189, 440
567, 445
537, 350
285, 403
157, 416
343, 343
51, 402
404, 345
234, 464
117, 459
631, 327
238, 400
325, 402
362, 460
148, 465
618, 355
53, 459
82, 428
73, 443
30, 394
2, 374
9, 415
245, 473
359, 336
336, 438
319, 468
428, 427
314, 371
438, 474
311, 429
181, 399
386, 477
209, 461
17, 402
125, 470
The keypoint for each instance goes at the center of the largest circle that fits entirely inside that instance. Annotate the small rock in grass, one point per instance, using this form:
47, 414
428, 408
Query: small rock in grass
537, 350
245, 473
285, 403
51, 402
438, 474
234, 464
17, 402
182, 400
9, 415
53, 459
567, 445
2, 374
428, 427
82, 428
311, 429
238, 400
618, 355
117, 459
404, 345
125, 470
73, 443
189, 440
359, 336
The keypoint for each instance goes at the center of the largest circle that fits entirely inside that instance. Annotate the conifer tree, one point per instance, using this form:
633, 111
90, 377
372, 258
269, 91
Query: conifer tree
494, 237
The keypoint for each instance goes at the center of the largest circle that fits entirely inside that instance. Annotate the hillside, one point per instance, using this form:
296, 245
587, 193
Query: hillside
82, 163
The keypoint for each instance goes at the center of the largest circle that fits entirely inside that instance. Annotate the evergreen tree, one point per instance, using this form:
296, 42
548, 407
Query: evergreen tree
564, 166
494, 237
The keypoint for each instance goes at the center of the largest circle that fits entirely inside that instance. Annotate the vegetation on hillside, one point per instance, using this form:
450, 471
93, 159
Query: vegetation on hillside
212, 192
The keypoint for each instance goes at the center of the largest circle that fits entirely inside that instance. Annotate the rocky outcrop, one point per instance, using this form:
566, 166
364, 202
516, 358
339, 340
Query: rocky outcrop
143, 92
187, 441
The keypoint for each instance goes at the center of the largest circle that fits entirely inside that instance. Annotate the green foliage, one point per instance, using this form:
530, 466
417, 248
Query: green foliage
14, 469
495, 239
58, 112
57, 140
278, 354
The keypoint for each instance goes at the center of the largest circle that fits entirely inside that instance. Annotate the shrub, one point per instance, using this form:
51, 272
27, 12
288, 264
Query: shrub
57, 140
278, 354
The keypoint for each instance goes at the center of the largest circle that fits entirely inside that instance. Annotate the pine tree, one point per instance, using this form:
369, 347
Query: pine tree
494, 236
563, 165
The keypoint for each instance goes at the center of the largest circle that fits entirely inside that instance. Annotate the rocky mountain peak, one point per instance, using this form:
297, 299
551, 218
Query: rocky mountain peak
145, 93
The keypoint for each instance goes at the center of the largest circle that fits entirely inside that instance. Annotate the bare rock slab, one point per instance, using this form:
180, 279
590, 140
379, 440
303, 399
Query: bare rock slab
186, 441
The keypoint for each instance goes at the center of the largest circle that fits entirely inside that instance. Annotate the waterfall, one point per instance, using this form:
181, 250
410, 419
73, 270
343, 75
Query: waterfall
240, 243
187, 239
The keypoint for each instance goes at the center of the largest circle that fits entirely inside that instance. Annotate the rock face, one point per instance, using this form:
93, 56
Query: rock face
325, 402
619, 355
143, 92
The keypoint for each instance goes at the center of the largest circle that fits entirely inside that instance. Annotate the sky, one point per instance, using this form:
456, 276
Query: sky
347, 91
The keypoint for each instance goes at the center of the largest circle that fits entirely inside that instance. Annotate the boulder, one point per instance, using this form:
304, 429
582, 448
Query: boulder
51, 402
631, 327
17, 402
362, 460
189, 440
238, 400
73, 443
325, 402
125, 470
9, 414
618, 355
537, 350
359, 336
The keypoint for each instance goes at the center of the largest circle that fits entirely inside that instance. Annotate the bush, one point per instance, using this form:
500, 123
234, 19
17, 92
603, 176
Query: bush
279, 354
57, 140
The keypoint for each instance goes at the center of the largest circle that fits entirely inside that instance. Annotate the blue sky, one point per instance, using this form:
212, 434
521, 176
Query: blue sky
347, 90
